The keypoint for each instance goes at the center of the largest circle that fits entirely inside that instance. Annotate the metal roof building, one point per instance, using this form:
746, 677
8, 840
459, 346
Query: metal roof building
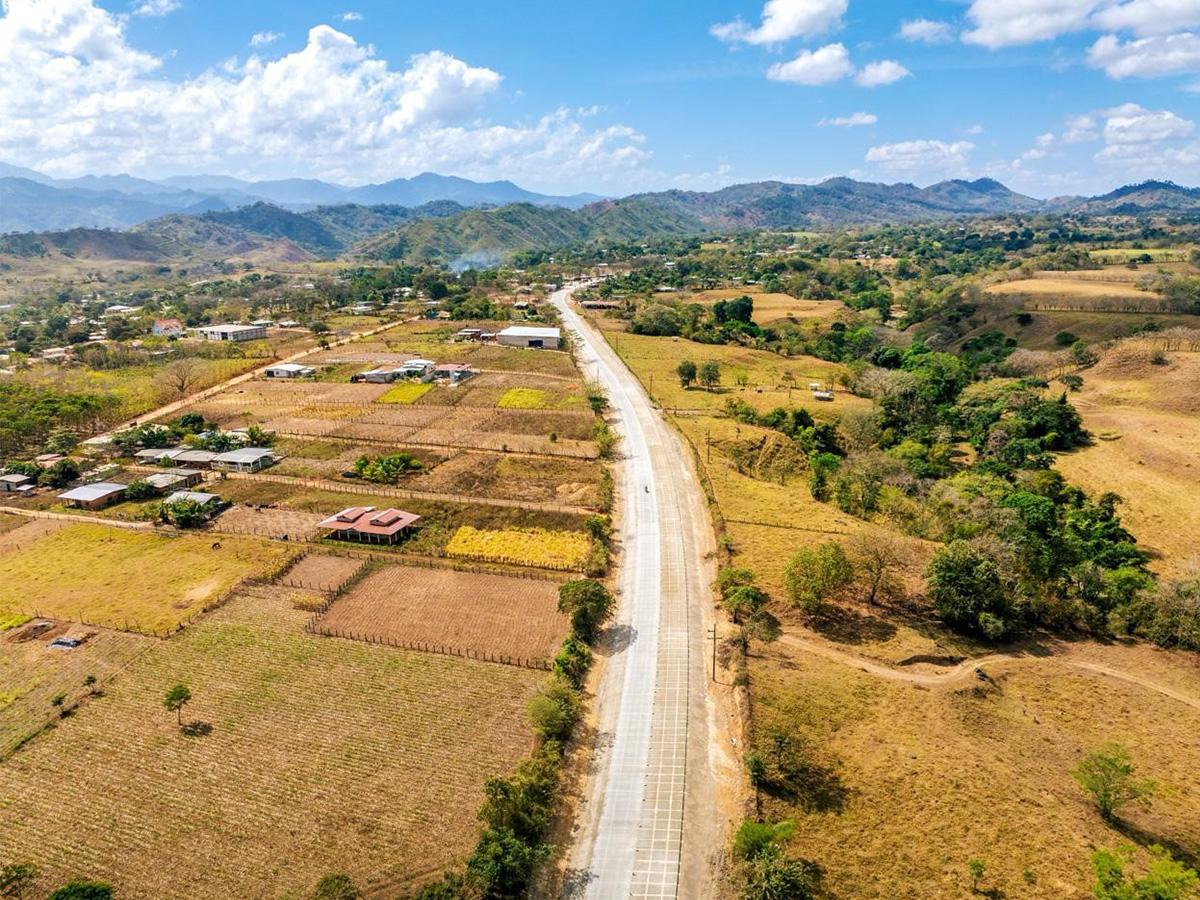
531, 337
367, 525
246, 459
93, 496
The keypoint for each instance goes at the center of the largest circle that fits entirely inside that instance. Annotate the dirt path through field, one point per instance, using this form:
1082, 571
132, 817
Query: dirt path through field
965, 673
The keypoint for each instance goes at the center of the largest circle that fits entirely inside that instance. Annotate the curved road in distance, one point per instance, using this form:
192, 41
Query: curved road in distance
651, 773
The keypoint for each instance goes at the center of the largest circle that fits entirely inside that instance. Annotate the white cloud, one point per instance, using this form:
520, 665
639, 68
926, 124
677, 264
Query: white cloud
974, 129
263, 38
351, 17
1148, 57
854, 120
1149, 17
929, 157
79, 98
1133, 124
1002, 23
926, 31
1041, 147
877, 74
156, 7
783, 20
812, 67
1080, 130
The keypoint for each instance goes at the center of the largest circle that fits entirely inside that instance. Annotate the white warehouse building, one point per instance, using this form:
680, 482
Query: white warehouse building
530, 337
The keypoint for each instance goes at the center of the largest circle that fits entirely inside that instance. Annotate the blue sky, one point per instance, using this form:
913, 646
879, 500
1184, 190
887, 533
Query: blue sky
1049, 96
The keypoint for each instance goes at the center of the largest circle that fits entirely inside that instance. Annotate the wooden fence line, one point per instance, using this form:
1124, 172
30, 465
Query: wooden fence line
543, 665
325, 484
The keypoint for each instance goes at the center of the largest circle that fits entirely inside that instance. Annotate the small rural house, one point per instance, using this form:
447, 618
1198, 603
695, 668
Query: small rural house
530, 337
194, 459
455, 373
469, 334
366, 525
232, 332
167, 328
416, 368
245, 459
162, 482
290, 370
380, 375
16, 484
93, 496
191, 477
154, 455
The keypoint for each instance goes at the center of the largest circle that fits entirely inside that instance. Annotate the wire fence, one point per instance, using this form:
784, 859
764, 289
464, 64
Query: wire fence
346, 487
543, 665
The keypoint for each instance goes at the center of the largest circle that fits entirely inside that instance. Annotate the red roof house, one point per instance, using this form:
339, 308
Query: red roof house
367, 525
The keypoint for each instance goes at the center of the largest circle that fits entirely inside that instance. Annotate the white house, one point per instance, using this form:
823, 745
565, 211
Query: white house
530, 337
246, 459
232, 332
290, 370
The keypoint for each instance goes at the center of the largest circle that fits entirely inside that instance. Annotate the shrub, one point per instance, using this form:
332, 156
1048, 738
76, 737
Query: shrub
389, 469
573, 660
964, 585
555, 710
816, 574
83, 890
754, 837
335, 887
587, 603
1107, 775
140, 490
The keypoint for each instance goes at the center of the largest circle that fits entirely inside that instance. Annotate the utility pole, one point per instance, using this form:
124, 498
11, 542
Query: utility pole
713, 634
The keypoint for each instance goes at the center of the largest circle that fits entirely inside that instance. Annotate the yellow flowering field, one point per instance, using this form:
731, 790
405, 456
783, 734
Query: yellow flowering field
406, 393
524, 398
540, 547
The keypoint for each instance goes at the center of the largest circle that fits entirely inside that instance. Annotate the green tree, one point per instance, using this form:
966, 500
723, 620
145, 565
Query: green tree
1107, 775
1166, 879
773, 875
60, 474
743, 602
184, 513
554, 710
140, 490
964, 585
816, 574
710, 374
502, 863
686, 371
587, 603
976, 867
177, 697
83, 890
335, 887
16, 878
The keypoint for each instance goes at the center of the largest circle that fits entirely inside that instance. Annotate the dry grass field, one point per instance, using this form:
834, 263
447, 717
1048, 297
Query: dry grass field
1146, 419
1124, 254
908, 782
765, 373
1066, 291
322, 573
491, 614
771, 308
33, 674
324, 756
119, 578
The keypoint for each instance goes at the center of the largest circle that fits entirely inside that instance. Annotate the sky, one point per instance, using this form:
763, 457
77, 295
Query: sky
1050, 97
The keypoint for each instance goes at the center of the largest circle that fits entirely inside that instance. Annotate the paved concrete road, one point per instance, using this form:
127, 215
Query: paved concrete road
631, 840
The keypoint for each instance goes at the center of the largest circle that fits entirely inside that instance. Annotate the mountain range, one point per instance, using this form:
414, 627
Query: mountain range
31, 201
461, 223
